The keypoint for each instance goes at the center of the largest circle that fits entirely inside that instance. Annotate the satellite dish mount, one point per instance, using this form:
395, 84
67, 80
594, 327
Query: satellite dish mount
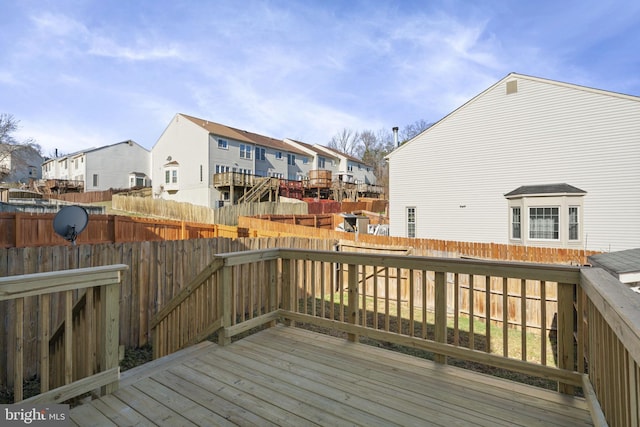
70, 221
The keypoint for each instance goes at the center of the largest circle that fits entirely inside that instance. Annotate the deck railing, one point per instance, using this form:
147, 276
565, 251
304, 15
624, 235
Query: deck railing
77, 342
416, 302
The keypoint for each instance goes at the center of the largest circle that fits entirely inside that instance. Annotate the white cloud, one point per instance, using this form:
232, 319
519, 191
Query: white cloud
143, 50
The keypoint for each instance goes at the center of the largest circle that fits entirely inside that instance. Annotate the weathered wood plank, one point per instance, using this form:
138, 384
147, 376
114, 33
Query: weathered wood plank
88, 415
448, 385
76, 388
56, 281
293, 377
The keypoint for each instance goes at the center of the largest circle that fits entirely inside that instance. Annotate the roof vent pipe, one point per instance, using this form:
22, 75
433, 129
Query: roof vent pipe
395, 136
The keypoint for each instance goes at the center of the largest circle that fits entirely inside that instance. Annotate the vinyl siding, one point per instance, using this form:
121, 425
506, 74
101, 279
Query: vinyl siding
112, 164
545, 133
186, 143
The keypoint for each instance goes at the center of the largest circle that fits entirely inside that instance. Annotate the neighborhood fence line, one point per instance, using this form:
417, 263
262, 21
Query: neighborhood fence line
428, 247
158, 270
30, 230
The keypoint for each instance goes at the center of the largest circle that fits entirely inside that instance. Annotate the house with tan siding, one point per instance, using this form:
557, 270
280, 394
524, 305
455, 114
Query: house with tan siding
529, 161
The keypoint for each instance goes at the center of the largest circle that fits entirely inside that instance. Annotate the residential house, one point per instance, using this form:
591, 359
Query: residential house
19, 163
350, 169
319, 159
122, 165
528, 161
192, 150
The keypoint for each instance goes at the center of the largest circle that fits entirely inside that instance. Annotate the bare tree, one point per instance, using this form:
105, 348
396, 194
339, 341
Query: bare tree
13, 153
372, 147
413, 129
346, 141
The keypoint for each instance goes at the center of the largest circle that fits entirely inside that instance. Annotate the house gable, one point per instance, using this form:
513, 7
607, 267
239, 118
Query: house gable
455, 173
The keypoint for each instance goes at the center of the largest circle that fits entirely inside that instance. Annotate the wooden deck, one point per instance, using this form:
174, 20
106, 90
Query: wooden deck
292, 377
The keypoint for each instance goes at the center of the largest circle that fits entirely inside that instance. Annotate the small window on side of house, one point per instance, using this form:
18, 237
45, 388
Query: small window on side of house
516, 223
574, 223
411, 221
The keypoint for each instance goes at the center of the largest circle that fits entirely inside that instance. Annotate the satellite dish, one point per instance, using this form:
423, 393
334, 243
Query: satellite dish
70, 221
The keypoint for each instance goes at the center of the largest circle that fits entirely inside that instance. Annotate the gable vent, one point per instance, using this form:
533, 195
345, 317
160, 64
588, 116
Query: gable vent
512, 87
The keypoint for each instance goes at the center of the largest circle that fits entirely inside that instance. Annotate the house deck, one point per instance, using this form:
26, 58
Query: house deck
287, 376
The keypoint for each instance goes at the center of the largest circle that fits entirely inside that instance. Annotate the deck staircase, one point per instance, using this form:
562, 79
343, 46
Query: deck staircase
263, 188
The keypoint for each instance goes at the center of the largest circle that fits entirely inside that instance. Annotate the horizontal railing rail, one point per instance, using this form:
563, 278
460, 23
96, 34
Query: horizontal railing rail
414, 301
94, 347
610, 312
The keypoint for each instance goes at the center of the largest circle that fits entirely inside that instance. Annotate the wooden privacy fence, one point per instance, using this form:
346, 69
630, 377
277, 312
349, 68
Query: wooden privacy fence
430, 247
157, 271
68, 321
162, 269
27, 230
227, 215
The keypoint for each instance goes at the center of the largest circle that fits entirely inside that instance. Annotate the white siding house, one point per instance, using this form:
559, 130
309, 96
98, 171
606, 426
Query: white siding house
528, 161
318, 159
19, 163
349, 166
191, 150
102, 168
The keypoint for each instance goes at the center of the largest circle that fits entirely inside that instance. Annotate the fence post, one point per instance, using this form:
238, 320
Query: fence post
566, 352
115, 228
353, 299
110, 331
18, 234
224, 290
441, 313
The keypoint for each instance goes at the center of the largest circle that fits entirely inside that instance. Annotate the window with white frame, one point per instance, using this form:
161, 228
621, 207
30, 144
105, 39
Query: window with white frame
574, 223
171, 176
222, 168
291, 159
245, 151
260, 153
321, 162
516, 223
411, 221
223, 144
544, 223
279, 155
547, 215
350, 167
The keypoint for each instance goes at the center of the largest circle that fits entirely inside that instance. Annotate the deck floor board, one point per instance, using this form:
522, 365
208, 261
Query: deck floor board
286, 376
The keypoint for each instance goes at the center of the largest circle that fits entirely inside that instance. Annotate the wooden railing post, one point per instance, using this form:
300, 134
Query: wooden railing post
18, 369
353, 299
566, 349
288, 301
224, 298
271, 268
110, 332
441, 313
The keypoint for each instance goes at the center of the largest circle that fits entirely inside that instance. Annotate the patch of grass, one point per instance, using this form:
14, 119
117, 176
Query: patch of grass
402, 324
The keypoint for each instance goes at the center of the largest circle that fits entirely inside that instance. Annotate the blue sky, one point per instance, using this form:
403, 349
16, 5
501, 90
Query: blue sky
81, 74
